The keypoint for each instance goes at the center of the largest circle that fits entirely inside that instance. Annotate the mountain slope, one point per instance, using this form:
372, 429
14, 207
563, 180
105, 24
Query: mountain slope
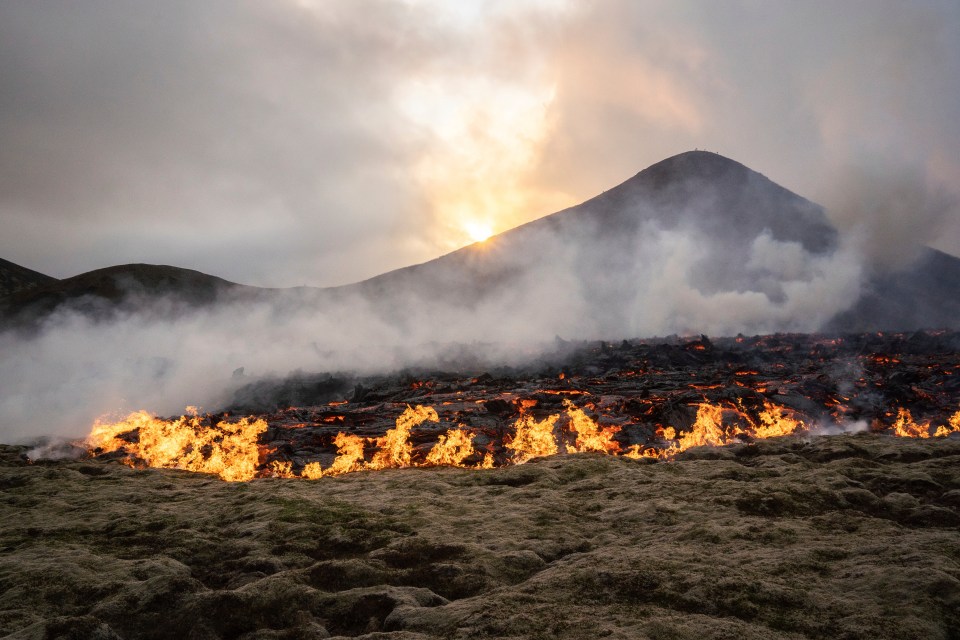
924, 295
14, 278
124, 287
695, 243
720, 198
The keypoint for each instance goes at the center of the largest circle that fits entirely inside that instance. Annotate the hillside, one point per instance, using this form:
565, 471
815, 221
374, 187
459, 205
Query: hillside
14, 278
925, 294
726, 221
103, 292
717, 197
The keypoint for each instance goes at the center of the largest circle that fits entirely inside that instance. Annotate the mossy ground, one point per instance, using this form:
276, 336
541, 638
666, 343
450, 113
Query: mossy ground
853, 536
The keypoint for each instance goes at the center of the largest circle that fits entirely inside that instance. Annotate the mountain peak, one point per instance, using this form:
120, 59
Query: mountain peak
698, 163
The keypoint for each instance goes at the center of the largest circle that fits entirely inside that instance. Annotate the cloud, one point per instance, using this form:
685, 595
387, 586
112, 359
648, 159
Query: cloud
322, 142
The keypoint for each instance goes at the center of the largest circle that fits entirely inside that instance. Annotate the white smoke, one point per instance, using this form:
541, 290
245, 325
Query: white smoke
76, 369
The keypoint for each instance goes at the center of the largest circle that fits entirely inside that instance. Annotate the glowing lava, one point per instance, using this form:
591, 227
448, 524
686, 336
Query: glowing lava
227, 449
230, 450
533, 438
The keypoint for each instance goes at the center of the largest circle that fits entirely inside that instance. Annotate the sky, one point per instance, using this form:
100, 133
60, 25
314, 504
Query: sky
321, 142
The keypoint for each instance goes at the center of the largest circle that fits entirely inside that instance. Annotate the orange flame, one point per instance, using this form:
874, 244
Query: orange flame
312, 471
452, 449
349, 455
707, 429
394, 447
775, 421
907, 428
590, 435
533, 439
228, 450
953, 426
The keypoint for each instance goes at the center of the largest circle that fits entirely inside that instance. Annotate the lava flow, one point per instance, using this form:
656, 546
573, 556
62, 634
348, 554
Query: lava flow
227, 449
639, 400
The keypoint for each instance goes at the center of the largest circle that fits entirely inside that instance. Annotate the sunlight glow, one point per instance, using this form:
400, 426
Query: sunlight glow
478, 231
487, 136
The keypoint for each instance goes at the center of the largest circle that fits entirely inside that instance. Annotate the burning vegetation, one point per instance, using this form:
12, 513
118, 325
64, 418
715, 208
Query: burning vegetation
641, 399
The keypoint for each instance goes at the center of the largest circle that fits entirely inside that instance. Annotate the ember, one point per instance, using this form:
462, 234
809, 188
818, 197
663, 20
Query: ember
651, 399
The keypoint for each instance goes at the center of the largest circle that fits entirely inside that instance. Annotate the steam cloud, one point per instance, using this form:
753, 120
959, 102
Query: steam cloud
77, 369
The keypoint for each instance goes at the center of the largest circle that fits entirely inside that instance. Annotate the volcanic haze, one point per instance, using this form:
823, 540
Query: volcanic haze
697, 243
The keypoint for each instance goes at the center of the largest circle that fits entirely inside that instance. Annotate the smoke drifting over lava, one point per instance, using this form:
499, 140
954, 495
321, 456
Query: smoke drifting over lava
695, 244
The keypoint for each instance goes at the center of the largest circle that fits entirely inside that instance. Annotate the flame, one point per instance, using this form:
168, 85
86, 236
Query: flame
228, 450
775, 421
452, 449
907, 428
281, 469
533, 439
312, 471
349, 455
487, 462
954, 426
636, 452
707, 429
394, 447
590, 435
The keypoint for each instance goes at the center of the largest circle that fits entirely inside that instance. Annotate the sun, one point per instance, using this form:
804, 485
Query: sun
478, 231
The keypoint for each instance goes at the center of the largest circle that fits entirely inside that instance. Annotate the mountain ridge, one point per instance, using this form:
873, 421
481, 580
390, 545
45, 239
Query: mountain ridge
735, 219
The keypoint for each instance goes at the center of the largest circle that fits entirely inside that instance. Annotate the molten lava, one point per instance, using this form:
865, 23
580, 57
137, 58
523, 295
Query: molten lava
533, 438
590, 435
637, 400
226, 449
230, 449
907, 428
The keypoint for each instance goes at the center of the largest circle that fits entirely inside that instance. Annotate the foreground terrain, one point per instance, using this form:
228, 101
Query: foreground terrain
849, 536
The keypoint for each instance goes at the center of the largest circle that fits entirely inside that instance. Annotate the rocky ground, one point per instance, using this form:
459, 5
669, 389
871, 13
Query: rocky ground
849, 536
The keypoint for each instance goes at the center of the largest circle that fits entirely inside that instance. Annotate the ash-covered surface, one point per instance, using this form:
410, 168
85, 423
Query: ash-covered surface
834, 383
850, 536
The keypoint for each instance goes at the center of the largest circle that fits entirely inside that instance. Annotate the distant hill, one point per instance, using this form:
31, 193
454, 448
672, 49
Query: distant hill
14, 278
125, 287
925, 294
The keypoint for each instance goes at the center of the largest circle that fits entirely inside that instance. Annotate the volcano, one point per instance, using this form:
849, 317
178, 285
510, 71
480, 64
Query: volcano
730, 237
695, 243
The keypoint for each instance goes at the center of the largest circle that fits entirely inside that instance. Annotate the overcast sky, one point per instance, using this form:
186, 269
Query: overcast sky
321, 142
